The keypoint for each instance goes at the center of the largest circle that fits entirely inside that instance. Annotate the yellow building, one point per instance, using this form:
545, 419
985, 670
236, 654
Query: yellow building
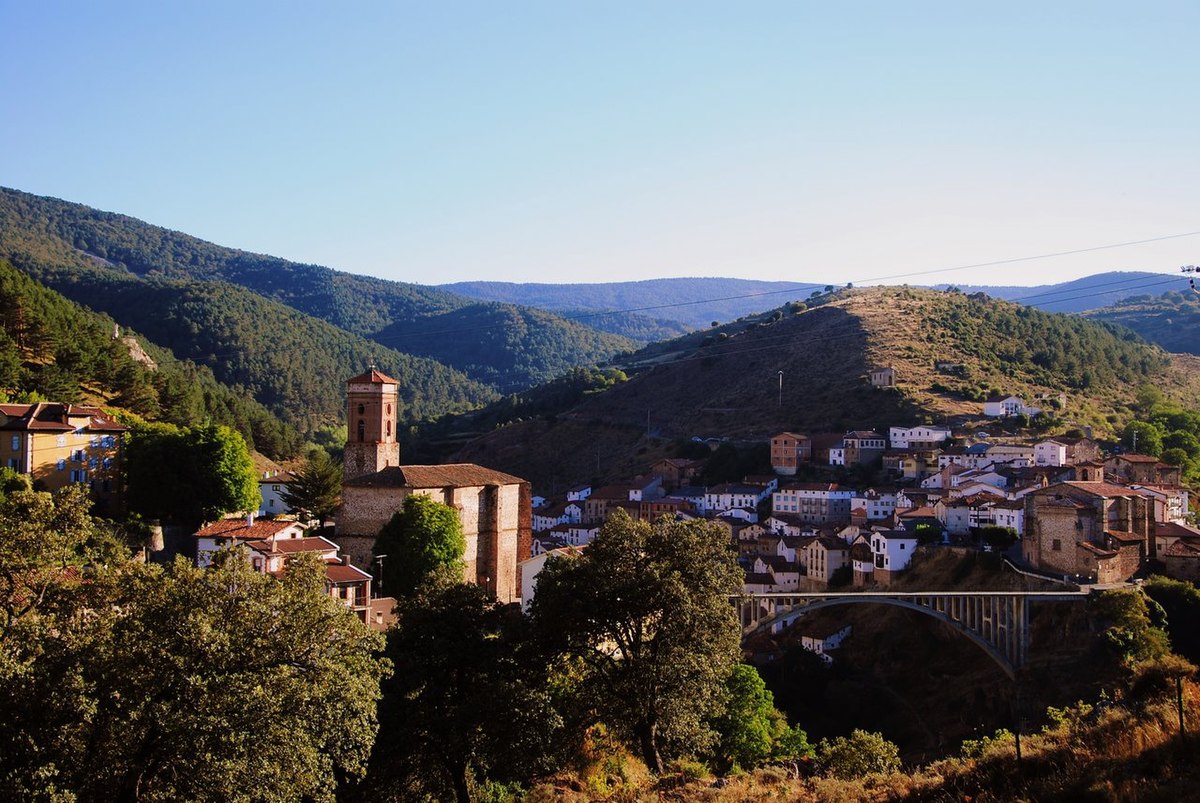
59, 444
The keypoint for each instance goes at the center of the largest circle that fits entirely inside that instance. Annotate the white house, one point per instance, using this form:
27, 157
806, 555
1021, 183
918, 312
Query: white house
813, 502
821, 641
893, 550
917, 437
1005, 406
730, 495
786, 572
270, 489
875, 503
245, 531
1049, 453
579, 493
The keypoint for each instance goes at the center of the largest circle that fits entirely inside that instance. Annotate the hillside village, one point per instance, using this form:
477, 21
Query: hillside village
1057, 506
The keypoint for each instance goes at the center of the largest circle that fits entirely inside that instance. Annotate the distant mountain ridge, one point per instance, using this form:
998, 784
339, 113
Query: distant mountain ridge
1080, 295
695, 302
1171, 320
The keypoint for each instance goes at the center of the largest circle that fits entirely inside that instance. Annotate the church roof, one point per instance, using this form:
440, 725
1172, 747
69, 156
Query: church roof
374, 376
460, 475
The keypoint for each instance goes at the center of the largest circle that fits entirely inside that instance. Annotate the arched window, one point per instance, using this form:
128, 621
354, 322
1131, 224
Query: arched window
362, 430
389, 409
389, 429
361, 409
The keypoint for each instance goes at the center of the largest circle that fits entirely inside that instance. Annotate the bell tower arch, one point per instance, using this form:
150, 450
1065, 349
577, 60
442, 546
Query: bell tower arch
372, 399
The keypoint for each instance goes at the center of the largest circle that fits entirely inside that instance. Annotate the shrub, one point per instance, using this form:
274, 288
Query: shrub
857, 755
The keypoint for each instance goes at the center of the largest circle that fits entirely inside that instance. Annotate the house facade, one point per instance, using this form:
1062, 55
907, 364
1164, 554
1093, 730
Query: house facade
63, 444
788, 451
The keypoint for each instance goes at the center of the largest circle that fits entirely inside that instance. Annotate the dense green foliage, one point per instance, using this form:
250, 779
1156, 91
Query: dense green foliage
1052, 350
189, 475
293, 363
54, 349
423, 537
645, 610
1181, 602
1171, 320
58, 241
1167, 431
468, 699
507, 347
857, 755
1134, 625
751, 729
315, 491
126, 681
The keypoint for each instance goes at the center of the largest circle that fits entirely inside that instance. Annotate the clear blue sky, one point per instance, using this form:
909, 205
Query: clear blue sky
564, 141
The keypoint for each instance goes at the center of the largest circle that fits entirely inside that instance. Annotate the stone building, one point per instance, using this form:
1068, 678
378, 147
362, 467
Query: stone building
1094, 530
494, 507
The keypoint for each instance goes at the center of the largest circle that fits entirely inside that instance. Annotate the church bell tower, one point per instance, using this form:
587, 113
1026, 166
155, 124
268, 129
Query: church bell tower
371, 445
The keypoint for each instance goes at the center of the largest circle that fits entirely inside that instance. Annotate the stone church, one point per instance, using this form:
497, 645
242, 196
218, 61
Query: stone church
495, 508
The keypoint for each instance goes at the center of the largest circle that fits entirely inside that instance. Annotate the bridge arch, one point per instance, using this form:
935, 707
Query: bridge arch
789, 618
996, 621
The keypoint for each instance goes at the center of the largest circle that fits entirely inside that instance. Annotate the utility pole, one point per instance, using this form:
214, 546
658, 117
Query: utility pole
781, 388
1192, 281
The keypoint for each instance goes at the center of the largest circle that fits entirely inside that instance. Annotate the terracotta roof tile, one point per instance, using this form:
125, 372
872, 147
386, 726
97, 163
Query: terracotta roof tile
445, 476
374, 376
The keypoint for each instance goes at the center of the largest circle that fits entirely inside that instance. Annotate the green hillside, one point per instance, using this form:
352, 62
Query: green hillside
1171, 320
51, 348
521, 343
293, 363
44, 235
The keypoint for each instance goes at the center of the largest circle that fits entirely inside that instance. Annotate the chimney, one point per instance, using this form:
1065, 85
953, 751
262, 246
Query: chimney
250, 519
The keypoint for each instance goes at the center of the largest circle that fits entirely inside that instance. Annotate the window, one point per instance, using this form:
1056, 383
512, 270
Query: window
1056, 545
362, 430
361, 409
62, 464
77, 455
14, 463
108, 462
16, 443
61, 440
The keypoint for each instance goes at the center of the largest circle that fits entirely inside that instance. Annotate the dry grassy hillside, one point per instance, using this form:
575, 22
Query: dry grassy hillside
726, 382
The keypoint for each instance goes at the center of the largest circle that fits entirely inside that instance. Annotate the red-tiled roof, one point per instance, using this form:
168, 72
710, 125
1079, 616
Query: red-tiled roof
451, 475
55, 417
291, 546
341, 573
261, 530
1124, 537
374, 376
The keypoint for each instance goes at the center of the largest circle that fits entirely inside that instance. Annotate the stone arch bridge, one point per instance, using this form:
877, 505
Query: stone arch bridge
997, 621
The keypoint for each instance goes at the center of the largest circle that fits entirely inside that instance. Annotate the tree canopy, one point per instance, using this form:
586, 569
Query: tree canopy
645, 609
422, 537
125, 681
468, 700
315, 491
189, 475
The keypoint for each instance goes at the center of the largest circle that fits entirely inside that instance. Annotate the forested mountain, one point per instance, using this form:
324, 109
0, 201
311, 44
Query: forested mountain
38, 233
501, 344
695, 302
727, 381
54, 349
1171, 320
293, 363
1088, 293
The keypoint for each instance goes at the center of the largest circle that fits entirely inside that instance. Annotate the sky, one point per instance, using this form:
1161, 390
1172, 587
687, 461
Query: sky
586, 142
